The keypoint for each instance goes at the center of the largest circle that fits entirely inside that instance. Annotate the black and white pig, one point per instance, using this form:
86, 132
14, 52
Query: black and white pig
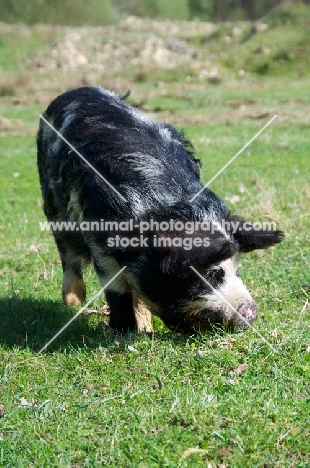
155, 175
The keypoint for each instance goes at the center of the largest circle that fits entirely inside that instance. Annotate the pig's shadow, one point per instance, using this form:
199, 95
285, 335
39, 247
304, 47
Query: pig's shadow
30, 323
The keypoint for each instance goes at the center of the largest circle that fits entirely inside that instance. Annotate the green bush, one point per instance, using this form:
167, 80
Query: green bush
63, 12
290, 14
103, 12
138, 7
162, 9
173, 9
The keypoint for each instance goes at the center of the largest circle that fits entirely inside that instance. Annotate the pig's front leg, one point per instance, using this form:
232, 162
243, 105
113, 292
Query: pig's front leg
122, 316
142, 314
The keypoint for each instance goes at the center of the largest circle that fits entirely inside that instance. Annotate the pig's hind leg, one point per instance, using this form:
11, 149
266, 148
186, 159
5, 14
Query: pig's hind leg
73, 253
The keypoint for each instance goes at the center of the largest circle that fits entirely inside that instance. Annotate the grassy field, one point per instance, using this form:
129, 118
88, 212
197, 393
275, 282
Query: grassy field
214, 400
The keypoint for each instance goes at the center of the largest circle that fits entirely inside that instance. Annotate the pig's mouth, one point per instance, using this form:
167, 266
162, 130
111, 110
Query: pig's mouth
239, 317
247, 311
207, 319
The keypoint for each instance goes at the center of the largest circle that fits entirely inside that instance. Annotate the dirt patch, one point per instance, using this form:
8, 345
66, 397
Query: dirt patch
33, 99
10, 124
135, 41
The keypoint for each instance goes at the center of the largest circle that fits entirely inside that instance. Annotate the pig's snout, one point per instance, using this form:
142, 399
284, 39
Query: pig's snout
247, 311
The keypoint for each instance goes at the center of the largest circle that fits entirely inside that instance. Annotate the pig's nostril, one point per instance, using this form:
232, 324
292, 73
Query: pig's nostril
249, 314
248, 310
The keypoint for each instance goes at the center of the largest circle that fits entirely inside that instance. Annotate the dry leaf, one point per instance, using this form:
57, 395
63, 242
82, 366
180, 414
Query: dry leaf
190, 451
233, 199
24, 402
132, 349
242, 188
239, 369
227, 342
34, 248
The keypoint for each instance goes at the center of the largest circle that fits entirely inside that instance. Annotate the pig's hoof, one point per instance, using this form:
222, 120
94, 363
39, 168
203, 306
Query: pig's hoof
73, 290
71, 299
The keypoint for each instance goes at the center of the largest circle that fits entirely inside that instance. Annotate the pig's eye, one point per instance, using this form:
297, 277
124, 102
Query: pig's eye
214, 275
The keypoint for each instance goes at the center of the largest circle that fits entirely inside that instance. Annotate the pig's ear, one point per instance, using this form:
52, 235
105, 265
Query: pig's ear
219, 248
250, 238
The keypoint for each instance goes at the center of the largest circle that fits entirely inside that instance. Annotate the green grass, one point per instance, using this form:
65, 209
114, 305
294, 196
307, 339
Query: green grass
18, 45
168, 400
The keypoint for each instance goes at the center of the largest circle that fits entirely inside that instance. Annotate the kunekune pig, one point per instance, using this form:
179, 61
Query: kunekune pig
155, 175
